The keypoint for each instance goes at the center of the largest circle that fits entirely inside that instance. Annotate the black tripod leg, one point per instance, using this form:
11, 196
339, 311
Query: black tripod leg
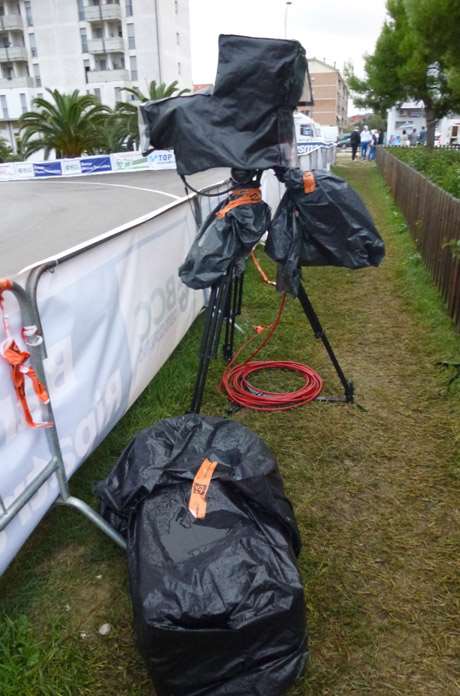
204, 352
227, 348
321, 334
234, 304
210, 338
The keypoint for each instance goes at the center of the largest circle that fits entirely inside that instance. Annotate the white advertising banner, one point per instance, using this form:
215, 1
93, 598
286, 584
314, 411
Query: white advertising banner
111, 317
87, 165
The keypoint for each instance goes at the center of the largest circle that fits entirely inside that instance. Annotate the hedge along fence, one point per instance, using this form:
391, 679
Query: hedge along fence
433, 217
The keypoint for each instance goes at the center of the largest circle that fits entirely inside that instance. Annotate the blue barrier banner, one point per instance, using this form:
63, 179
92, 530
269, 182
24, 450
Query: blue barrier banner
47, 168
91, 165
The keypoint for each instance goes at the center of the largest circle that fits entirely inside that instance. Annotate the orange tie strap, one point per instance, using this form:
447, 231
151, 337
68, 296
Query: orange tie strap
5, 284
17, 360
197, 503
244, 196
309, 183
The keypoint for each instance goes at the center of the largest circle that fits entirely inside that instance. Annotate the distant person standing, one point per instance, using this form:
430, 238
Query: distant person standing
381, 137
355, 140
413, 138
372, 149
422, 136
366, 138
405, 139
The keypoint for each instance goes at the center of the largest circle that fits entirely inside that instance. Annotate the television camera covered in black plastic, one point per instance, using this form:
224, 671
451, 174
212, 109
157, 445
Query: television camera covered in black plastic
246, 121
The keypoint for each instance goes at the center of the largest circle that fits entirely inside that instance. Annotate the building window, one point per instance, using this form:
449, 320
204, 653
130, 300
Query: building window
81, 10
179, 68
131, 36
84, 40
117, 95
176, 6
118, 61
177, 38
28, 8
97, 93
86, 68
129, 8
98, 33
2, 10
101, 64
33, 45
37, 77
4, 106
23, 99
133, 67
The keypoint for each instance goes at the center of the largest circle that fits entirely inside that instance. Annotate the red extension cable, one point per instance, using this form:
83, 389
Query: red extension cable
235, 380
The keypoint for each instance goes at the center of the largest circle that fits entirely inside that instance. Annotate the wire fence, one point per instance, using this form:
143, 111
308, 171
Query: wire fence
433, 217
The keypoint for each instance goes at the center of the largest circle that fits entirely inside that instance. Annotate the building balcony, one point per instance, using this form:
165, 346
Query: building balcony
113, 44
11, 22
96, 13
108, 76
8, 55
16, 82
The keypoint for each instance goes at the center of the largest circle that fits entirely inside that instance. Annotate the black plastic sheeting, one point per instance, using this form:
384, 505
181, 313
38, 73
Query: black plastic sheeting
246, 122
222, 242
329, 227
218, 603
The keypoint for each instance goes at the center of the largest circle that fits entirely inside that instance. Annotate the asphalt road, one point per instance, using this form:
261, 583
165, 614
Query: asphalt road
42, 218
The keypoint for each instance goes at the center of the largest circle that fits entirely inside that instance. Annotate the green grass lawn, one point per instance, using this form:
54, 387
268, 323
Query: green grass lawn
375, 492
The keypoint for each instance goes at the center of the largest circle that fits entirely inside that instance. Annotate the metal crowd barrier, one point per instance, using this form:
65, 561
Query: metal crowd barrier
35, 340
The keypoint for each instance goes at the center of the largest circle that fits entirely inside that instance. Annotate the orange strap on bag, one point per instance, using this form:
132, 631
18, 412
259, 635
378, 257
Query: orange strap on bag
239, 197
200, 486
309, 183
17, 359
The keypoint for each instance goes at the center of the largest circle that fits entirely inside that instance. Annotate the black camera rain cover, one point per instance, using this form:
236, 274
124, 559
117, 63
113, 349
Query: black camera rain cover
218, 603
329, 227
246, 122
223, 241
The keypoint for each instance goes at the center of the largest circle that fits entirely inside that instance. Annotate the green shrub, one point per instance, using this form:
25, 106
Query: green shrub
440, 166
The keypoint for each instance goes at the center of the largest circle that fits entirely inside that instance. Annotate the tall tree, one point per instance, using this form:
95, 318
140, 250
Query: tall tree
126, 112
5, 150
412, 62
157, 91
69, 124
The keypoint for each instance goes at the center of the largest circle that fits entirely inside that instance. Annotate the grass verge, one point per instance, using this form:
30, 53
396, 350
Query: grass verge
375, 492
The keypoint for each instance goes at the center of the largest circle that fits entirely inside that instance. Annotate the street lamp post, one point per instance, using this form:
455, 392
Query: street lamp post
288, 2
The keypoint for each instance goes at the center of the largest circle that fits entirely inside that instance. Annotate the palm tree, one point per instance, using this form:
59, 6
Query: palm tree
69, 124
5, 150
126, 112
157, 91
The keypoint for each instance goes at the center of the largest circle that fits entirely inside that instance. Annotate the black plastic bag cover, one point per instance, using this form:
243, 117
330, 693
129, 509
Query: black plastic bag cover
223, 241
218, 603
246, 122
329, 227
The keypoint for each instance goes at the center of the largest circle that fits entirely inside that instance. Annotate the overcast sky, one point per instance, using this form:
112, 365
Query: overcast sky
334, 30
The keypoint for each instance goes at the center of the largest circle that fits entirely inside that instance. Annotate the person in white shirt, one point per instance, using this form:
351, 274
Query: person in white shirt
366, 137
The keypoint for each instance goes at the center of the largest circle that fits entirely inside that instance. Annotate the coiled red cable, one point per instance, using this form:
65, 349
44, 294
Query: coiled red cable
236, 384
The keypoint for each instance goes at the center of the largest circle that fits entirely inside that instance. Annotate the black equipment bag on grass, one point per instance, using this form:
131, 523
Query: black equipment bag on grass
217, 599
329, 226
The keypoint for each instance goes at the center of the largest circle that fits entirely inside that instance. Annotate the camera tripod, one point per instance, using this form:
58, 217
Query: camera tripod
224, 306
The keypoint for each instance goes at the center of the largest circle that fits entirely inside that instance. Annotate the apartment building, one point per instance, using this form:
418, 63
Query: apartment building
95, 46
330, 95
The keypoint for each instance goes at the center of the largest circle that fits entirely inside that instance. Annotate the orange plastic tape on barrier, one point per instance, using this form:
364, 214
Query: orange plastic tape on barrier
309, 183
5, 284
240, 197
197, 504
